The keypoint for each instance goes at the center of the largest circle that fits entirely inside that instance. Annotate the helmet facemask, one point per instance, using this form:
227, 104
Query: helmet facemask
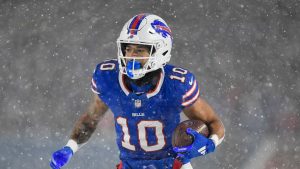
132, 65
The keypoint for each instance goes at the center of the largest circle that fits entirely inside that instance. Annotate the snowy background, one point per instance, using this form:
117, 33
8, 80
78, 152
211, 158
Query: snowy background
245, 54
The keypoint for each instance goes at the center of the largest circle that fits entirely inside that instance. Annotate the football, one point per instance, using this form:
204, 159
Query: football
180, 138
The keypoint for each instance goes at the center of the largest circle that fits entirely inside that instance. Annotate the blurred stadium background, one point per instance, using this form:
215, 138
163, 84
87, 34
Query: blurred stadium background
245, 54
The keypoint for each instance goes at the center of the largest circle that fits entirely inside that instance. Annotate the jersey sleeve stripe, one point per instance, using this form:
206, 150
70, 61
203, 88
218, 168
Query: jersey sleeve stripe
94, 84
188, 102
95, 91
188, 93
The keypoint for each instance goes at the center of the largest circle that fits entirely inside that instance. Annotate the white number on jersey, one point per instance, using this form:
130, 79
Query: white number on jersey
142, 134
107, 66
180, 71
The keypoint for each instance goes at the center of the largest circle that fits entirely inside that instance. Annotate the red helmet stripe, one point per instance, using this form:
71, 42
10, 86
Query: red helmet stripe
135, 23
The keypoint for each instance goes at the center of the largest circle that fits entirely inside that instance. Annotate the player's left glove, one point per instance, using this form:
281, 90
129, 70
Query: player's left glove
200, 146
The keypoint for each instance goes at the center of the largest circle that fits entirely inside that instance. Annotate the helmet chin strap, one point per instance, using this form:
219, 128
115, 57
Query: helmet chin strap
133, 67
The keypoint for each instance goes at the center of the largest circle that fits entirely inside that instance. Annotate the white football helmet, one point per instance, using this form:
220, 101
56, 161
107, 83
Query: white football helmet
145, 29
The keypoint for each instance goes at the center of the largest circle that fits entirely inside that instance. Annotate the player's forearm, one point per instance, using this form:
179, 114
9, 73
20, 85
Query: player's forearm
84, 127
201, 110
216, 127
87, 123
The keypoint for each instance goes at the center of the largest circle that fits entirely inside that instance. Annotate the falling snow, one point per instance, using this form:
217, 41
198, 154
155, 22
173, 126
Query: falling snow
245, 55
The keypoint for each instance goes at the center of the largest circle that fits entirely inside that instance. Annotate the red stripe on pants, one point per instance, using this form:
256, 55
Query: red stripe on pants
177, 164
119, 166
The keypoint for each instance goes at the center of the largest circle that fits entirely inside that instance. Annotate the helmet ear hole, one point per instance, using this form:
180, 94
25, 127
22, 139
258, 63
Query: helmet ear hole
153, 50
164, 54
151, 32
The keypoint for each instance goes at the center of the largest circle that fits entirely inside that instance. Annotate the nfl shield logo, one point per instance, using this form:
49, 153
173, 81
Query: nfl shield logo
137, 103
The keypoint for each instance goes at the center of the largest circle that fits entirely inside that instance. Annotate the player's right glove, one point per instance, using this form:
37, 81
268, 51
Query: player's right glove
61, 157
199, 147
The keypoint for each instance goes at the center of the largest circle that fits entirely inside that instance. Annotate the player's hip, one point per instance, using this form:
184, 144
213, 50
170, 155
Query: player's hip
166, 163
140, 154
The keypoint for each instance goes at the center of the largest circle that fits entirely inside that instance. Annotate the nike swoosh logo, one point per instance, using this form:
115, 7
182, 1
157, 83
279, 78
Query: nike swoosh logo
191, 81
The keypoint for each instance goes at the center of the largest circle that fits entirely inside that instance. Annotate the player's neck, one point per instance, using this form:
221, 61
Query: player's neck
150, 79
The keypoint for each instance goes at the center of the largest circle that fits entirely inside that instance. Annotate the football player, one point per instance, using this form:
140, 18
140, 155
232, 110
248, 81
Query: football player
146, 96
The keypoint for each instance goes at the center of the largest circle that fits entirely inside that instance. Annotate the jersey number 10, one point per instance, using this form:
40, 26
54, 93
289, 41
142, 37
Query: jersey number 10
142, 135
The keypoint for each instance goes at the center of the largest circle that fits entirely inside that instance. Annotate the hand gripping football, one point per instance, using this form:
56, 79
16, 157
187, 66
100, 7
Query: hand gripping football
180, 138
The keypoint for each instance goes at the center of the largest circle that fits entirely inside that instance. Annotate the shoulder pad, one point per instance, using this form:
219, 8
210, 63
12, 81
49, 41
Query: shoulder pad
103, 74
185, 83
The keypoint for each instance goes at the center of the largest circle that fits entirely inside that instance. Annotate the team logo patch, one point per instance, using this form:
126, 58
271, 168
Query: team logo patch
161, 28
137, 103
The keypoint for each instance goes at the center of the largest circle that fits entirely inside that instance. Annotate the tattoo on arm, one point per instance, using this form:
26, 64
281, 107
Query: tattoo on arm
88, 121
84, 128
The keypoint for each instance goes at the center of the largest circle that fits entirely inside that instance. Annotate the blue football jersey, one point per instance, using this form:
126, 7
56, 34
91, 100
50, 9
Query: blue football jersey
144, 123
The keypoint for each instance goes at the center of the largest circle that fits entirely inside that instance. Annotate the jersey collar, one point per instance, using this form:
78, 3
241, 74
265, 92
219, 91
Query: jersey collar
150, 93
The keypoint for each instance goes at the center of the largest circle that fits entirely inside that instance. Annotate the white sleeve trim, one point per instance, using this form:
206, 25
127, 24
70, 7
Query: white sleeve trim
191, 100
188, 93
94, 90
94, 83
